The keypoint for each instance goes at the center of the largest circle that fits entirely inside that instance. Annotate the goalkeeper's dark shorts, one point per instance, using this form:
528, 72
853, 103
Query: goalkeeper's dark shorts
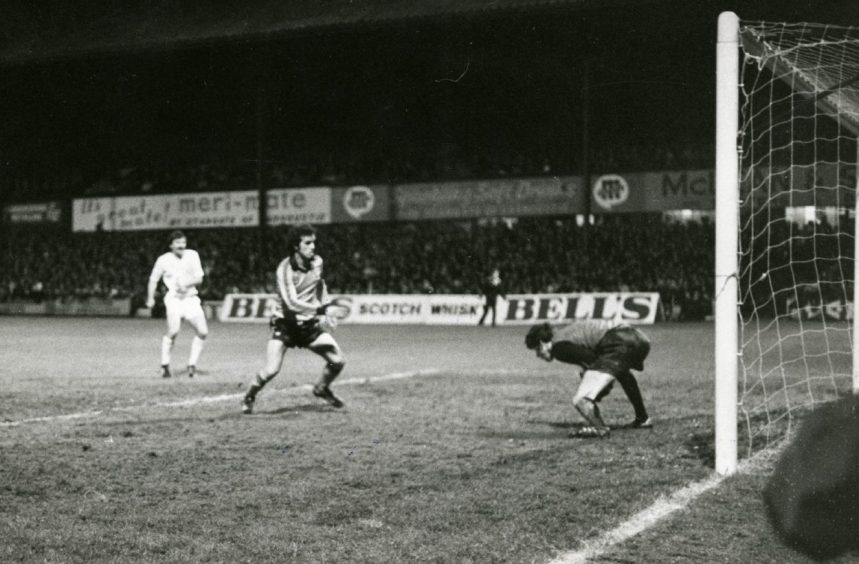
621, 349
295, 334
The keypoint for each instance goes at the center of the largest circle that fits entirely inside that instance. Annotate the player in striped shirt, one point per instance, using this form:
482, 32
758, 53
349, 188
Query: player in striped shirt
300, 319
607, 351
181, 272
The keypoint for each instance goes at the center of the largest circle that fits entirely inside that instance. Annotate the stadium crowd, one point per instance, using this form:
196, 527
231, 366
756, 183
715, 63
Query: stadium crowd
643, 253
162, 176
533, 254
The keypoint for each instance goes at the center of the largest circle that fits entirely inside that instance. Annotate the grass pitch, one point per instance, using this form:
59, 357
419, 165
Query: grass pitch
452, 447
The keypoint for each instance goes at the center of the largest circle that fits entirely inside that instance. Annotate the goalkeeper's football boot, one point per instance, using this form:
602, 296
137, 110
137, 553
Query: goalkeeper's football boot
645, 423
165, 371
324, 392
590, 433
248, 404
192, 370
637, 423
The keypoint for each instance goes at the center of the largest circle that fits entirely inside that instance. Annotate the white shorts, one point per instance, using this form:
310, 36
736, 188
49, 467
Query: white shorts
184, 308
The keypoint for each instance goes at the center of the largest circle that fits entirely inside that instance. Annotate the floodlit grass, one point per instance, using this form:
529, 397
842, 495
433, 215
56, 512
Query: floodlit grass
469, 462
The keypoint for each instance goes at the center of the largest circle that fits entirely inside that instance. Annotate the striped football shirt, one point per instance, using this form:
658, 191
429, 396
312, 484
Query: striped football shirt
300, 288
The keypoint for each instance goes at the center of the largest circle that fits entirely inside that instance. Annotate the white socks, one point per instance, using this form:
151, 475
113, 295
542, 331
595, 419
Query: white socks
166, 347
196, 348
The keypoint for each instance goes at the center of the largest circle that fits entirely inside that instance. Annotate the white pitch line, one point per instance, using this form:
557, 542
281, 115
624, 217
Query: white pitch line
191, 402
647, 518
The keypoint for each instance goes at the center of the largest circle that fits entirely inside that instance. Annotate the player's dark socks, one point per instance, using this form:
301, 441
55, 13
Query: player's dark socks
165, 371
251, 394
259, 383
254, 388
633, 393
331, 371
192, 370
248, 404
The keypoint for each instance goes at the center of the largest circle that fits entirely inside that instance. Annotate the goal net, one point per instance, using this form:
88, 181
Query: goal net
798, 108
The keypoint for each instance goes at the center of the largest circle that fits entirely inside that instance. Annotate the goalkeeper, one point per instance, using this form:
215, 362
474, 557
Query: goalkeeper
607, 351
302, 318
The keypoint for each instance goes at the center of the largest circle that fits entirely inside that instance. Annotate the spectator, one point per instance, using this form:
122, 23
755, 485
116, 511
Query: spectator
536, 255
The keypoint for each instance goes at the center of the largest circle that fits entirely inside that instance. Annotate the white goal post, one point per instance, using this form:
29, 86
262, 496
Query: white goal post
787, 121
727, 229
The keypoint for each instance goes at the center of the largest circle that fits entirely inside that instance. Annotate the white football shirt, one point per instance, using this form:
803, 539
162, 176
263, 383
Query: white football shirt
175, 271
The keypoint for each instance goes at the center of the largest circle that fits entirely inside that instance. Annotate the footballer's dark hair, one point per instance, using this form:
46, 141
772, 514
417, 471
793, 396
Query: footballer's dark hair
176, 234
540, 333
295, 233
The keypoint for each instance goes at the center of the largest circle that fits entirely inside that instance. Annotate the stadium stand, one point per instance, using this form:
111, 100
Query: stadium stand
534, 255
302, 170
175, 109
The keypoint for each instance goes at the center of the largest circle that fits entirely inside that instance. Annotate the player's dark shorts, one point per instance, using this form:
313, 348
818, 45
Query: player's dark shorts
295, 334
621, 349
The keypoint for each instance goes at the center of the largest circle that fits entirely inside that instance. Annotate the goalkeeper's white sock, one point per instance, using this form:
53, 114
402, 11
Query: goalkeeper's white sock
196, 348
166, 347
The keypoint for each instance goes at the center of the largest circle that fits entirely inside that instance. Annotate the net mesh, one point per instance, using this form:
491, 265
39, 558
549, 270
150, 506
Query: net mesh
799, 118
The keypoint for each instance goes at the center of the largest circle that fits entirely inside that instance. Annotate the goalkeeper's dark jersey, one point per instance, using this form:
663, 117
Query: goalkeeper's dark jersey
586, 333
601, 345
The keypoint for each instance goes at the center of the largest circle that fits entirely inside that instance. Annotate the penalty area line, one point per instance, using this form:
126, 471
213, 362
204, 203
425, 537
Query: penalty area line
657, 511
192, 402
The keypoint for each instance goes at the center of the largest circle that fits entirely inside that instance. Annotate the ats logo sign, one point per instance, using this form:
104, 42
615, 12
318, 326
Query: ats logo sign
610, 190
358, 201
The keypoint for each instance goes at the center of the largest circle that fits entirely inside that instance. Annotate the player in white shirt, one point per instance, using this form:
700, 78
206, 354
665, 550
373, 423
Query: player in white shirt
181, 272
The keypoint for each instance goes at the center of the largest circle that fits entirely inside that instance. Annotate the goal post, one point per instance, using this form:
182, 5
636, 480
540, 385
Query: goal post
787, 122
855, 342
727, 229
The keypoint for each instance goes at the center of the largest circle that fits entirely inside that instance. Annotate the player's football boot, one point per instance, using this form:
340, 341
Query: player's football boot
324, 392
641, 424
165, 371
192, 370
248, 405
590, 433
